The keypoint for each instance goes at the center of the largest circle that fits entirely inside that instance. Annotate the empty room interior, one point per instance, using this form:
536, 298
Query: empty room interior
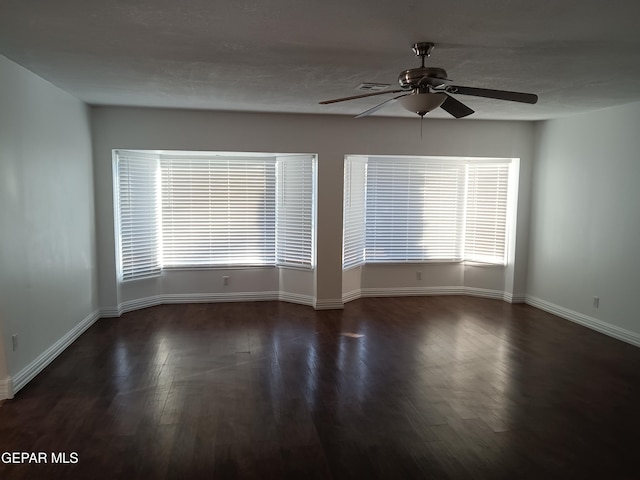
210, 268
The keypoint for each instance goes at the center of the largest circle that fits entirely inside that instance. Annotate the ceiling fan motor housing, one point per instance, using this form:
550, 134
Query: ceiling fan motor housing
423, 76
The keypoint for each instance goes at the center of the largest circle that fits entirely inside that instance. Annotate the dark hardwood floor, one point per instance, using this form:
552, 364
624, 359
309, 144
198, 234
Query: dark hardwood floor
426, 388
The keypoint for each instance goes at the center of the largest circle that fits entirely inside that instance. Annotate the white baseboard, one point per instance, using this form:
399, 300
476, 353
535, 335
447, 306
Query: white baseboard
27, 374
410, 291
152, 301
515, 297
219, 297
329, 304
110, 312
486, 293
139, 303
297, 298
5, 388
352, 295
428, 291
593, 323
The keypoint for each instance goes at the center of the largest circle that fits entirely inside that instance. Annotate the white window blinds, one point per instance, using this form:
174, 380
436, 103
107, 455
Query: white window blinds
294, 212
197, 209
353, 233
486, 212
414, 209
138, 214
218, 211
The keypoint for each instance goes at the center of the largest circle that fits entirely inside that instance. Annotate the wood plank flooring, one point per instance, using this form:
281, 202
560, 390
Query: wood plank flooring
419, 387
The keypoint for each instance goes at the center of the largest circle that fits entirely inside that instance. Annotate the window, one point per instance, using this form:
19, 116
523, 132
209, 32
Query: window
217, 211
195, 209
418, 209
486, 212
295, 239
353, 231
138, 214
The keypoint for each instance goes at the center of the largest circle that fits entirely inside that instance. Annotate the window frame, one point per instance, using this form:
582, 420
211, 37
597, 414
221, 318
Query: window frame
511, 207
309, 228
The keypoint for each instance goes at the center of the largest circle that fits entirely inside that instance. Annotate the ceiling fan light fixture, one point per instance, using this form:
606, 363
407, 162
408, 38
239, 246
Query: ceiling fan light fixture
422, 103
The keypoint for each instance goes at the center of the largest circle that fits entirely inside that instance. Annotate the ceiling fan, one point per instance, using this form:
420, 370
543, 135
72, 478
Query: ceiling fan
424, 89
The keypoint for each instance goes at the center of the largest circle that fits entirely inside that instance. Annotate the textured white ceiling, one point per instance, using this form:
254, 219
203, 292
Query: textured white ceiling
287, 55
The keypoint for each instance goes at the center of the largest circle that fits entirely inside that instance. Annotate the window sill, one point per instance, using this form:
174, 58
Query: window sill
471, 263
220, 268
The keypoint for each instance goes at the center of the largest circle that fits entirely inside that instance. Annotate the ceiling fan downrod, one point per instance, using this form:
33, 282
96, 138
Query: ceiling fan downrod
422, 50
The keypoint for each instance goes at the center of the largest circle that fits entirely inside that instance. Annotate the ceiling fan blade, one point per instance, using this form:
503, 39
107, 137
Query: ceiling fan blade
380, 105
360, 96
455, 107
489, 93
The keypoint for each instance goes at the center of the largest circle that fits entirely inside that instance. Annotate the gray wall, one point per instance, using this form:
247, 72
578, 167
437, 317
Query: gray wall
48, 281
331, 137
585, 227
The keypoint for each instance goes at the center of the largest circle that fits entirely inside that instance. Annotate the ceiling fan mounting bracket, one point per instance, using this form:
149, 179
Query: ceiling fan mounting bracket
423, 49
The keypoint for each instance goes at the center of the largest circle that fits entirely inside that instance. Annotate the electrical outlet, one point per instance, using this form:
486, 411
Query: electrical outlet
418, 275
14, 341
225, 281
596, 302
